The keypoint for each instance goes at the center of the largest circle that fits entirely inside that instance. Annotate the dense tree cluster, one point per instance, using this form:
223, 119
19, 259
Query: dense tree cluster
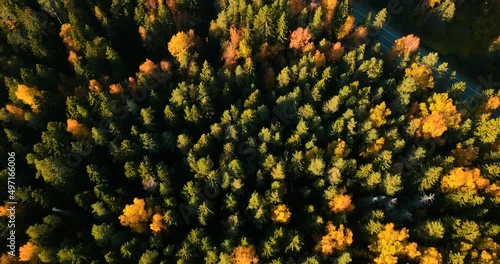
240, 132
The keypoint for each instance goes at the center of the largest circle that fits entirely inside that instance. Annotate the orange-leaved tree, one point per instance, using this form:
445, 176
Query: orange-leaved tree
29, 96
341, 203
28, 251
300, 39
335, 239
405, 45
157, 223
15, 111
136, 216
79, 131
244, 255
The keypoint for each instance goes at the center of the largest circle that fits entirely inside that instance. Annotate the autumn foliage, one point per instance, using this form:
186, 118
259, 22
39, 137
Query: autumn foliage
378, 114
346, 28
136, 216
244, 255
180, 46
148, 67
336, 239
299, 39
79, 131
329, 6
29, 96
341, 203
440, 115
15, 111
281, 214
28, 251
405, 45
391, 243
463, 180
157, 223
422, 75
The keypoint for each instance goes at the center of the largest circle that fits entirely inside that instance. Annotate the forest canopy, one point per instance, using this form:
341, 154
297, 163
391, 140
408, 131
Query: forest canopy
235, 131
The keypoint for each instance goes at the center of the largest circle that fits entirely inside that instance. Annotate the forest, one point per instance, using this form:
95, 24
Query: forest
244, 132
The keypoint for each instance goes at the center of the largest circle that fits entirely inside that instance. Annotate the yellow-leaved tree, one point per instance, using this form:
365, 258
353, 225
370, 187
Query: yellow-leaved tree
431, 256
180, 46
422, 75
462, 185
374, 148
378, 114
29, 96
438, 116
157, 223
136, 216
390, 244
346, 28
329, 7
335, 239
281, 213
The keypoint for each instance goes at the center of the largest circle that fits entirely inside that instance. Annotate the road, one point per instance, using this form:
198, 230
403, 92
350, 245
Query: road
388, 35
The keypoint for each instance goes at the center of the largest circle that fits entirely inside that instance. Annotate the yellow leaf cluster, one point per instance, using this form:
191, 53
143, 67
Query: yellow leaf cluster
491, 105
79, 131
329, 7
346, 28
335, 239
136, 216
431, 126
431, 256
433, 3
181, 43
392, 243
281, 213
157, 223
378, 114
422, 75
28, 251
443, 114
28, 96
341, 203
444, 105
374, 148
244, 255
15, 111
463, 180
